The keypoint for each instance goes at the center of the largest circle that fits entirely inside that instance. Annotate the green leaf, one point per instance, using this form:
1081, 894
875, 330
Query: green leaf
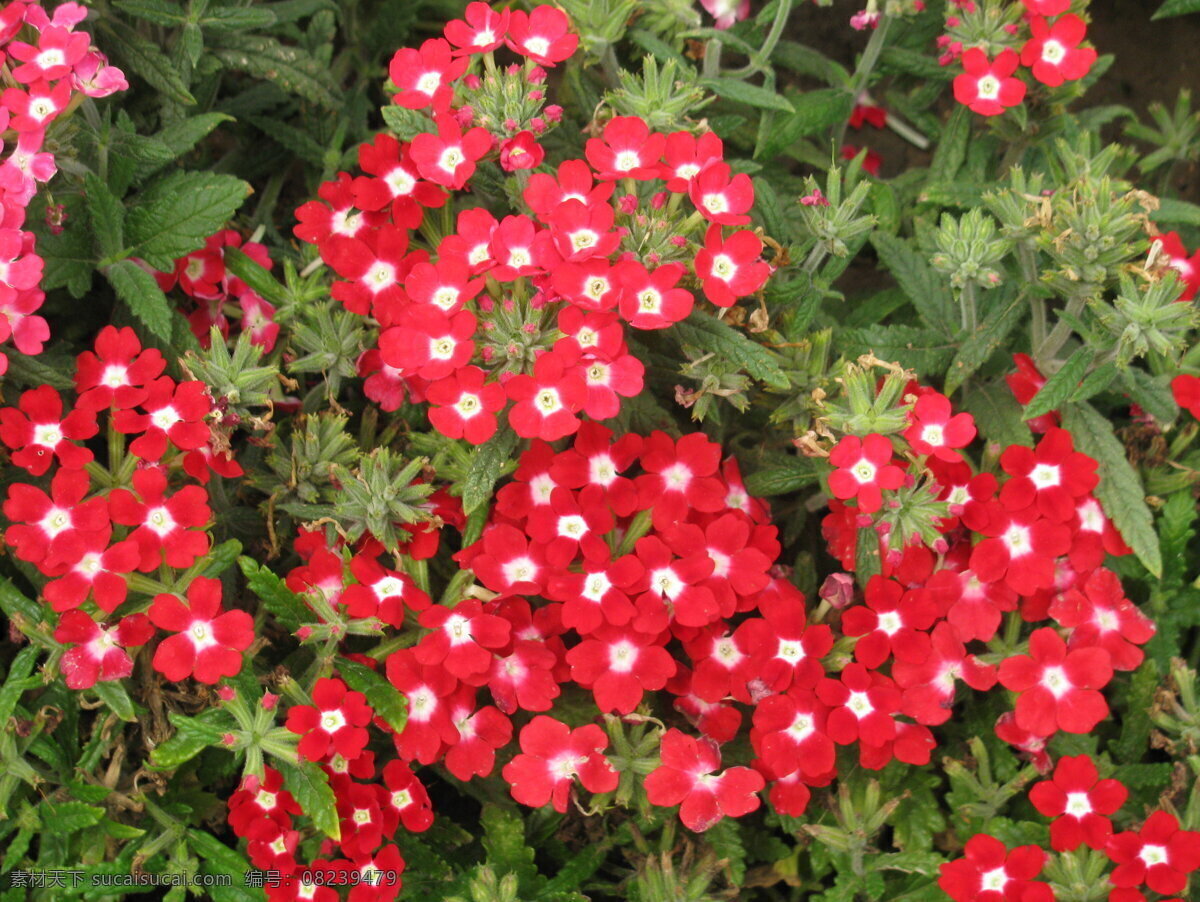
142, 296
231, 18
255, 275
34, 371
1152, 393
180, 137
145, 59
219, 559
18, 680
17, 605
921, 349
920, 282
1060, 386
1176, 8
1120, 490
742, 92
711, 334
489, 461
107, 216
383, 697
788, 476
310, 787
951, 150
804, 60
114, 694
1176, 211
1095, 382
811, 113
289, 609
504, 843
998, 415
69, 817
990, 335
725, 837
192, 736
69, 258
294, 69
405, 124
1135, 713
160, 12
178, 213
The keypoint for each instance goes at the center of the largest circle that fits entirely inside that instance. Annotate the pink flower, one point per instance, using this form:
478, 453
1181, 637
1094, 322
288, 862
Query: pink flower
99, 652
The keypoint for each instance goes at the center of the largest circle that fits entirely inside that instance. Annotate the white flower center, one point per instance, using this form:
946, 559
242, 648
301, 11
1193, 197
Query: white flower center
200, 632
1046, 476
790, 650
1053, 52
715, 203
537, 46
56, 521
401, 799
47, 434
469, 406
666, 583
160, 521
422, 703
622, 656
458, 628
864, 471
596, 586
450, 159
994, 880
519, 570
572, 526
380, 276
723, 267
596, 288
889, 622
541, 487
388, 587
445, 297
115, 376
934, 435
859, 704
165, 417
332, 721
265, 800
1055, 679
802, 727
602, 470
627, 160
1153, 855
90, 564
548, 401
48, 59
429, 82
988, 87
1078, 804
1018, 540
400, 181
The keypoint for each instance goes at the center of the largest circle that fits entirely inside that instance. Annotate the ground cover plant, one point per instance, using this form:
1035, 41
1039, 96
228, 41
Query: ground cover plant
601, 450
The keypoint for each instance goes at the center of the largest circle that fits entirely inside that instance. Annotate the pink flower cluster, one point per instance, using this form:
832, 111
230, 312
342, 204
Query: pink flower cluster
526, 312
53, 70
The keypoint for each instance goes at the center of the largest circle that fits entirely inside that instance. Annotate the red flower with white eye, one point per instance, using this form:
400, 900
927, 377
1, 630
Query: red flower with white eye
427, 689
1019, 549
407, 801
608, 380
721, 197
1094, 536
685, 155
335, 213
507, 562
115, 373
208, 641
1047, 7
1058, 689
598, 595
581, 231
552, 756
929, 683
596, 460
789, 734
58, 50
794, 657
1080, 803
446, 285
520, 248
1102, 616
590, 284
480, 30
524, 678
464, 406
463, 638
168, 528
543, 35
892, 623
571, 525
373, 267
987, 86
739, 567
680, 477
52, 530
716, 720
38, 433
98, 652
425, 76
725, 661
650, 299
989, 872
392, 182
1170, 246
428, 343
480, 733
675, 589
573, 181
360, 813
687, 777
36, 108
1026, 382
619, 665
1054, 476
449, 157
98, 570
335, 723
261, 800
171, 411
1054, 54
546, 402
628, 149
934, 429
521, 152
864, 471
1159, 855
381, 593
862, 703
730, 268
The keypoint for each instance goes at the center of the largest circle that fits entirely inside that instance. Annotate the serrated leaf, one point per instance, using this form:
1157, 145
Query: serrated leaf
488, 463
785, 477
1095, 382
920, 282
142, 296
725, 837
114, 694
68, 259
811, 113
294, 69
1135, 713
145, 59
296, 140
107, 216
180, 137
804, 60
921, 349
951, 150
18, 680
69, 817
504, 843
192, 736
711, 334
1176, 211
1061, 385
160, 12
178, 213
234, 18
405, 124
309, 785
1152, 393
998, 415
1176, 8
382, 696
742, 92
289, 609
1120, 490
33, 371
219, 559
991, 334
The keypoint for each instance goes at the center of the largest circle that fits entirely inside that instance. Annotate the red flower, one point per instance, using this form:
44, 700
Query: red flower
569, 525
552, 755
448, 158
934, 429
1054, 54
1080, 803
1059, 689
892, 623
1020, 549
619, 665
581, 231
521, 151
524, 678
687, 777
52, 530
725, 661
574, 181
1026, 382
730, 268
480, 30
547, 401
989, 872
424, 76
1186, 389
208, 642
113, 376
97, 570
464, 406
407, 800
674, 587
506, 562
721, 198
798, 648
428, 343
680, 477
99, 652
480, 734
864, 469
685, 155
261, 800
1102, 616
862, 704
1054, 476
171, 411
597, 595
335, 723
628, 150
1187, 267
38, 433
987, 87
595, 460
462, 638
1159, 855
427, 690
168, 528
650, 299
57, 52
542, 35
1047, 7
929, 683
789, 734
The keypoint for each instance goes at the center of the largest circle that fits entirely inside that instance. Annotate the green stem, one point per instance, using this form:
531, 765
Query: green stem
814, 259
759, 61
1060, 333
866, 64
712, 59
970, 311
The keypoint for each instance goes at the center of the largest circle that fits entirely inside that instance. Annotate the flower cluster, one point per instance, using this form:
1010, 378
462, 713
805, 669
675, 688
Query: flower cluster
95, 531
50, 73
526, 312
202, 275
1052, 51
